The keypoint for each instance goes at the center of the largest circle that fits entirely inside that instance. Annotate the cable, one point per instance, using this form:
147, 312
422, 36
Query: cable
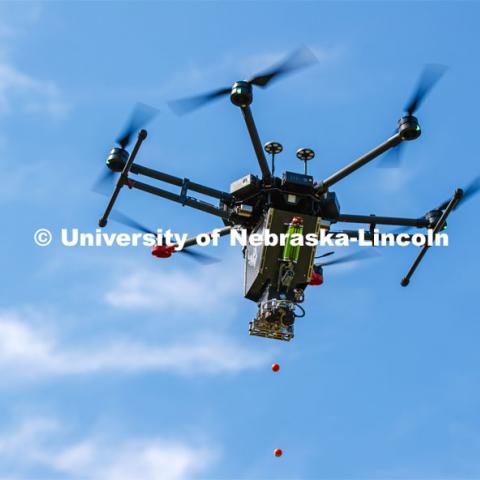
302, 309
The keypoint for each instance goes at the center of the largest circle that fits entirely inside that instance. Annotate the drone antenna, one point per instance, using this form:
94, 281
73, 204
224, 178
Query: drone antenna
273, 148
305, 155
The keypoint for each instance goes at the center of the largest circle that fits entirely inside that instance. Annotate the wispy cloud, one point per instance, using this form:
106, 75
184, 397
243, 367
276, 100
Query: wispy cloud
32, 95
201, 290
20, 90
30, 353
40, 442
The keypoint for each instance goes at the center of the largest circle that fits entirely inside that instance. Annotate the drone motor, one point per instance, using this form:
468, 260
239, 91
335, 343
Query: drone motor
116, 159
408, 128
241, 94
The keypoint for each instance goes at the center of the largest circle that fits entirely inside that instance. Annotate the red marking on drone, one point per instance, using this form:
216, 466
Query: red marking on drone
316, 279
278, 452
130, 183
275, 367
163, 251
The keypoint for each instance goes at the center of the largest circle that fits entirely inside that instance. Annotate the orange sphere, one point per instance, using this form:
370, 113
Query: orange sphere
278, 452
275, 367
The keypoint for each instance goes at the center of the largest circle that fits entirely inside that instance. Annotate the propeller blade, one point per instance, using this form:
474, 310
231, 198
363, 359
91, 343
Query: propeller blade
393, 158
187, 105
130, 222
104, 183
301, 58
468, 192
352, 257
120, 217
472, 189
430, 76
200, 257
400, 230
325, 255
141, 115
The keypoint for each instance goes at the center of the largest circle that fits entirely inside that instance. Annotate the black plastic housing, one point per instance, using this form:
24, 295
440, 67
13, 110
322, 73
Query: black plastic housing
329, 206
408, 128
117, 159
241, 94
297, 181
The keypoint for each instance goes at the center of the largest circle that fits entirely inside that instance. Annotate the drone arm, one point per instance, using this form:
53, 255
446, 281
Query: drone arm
182, 199
439, 225
180, 182
122, 180
360, 162
374, 220
257, 145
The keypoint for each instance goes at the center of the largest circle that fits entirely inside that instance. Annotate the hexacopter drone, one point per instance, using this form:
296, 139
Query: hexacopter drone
276, 276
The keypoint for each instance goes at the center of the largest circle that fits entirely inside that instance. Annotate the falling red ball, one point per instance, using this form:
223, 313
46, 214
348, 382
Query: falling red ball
278, 452
275, 368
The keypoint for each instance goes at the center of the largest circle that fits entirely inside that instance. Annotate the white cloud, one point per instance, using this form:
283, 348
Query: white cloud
27, 433
194, 306
143, 460
29, 352
20, 91
38, 442
207, 291
28, 93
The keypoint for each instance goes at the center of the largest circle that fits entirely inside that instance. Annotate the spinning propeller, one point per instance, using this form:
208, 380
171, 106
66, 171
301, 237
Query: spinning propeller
468, 192
301, 58
430, 76
352, 257
141, 115
130, 222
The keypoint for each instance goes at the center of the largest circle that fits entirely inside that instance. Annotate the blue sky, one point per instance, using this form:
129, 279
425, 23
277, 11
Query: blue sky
116, 366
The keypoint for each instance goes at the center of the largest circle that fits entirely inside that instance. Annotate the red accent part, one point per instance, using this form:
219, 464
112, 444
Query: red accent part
278, 452
297, 221
163, 251
316, 279
275, 367
130, 183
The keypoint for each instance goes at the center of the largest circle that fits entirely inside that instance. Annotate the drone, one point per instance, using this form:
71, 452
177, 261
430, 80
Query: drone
275, 277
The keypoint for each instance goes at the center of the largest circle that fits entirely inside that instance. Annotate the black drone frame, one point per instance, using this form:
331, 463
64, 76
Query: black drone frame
241, 95
435, 222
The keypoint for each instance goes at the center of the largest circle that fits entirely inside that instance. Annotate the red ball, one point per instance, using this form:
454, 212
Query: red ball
278, 452
275, 367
